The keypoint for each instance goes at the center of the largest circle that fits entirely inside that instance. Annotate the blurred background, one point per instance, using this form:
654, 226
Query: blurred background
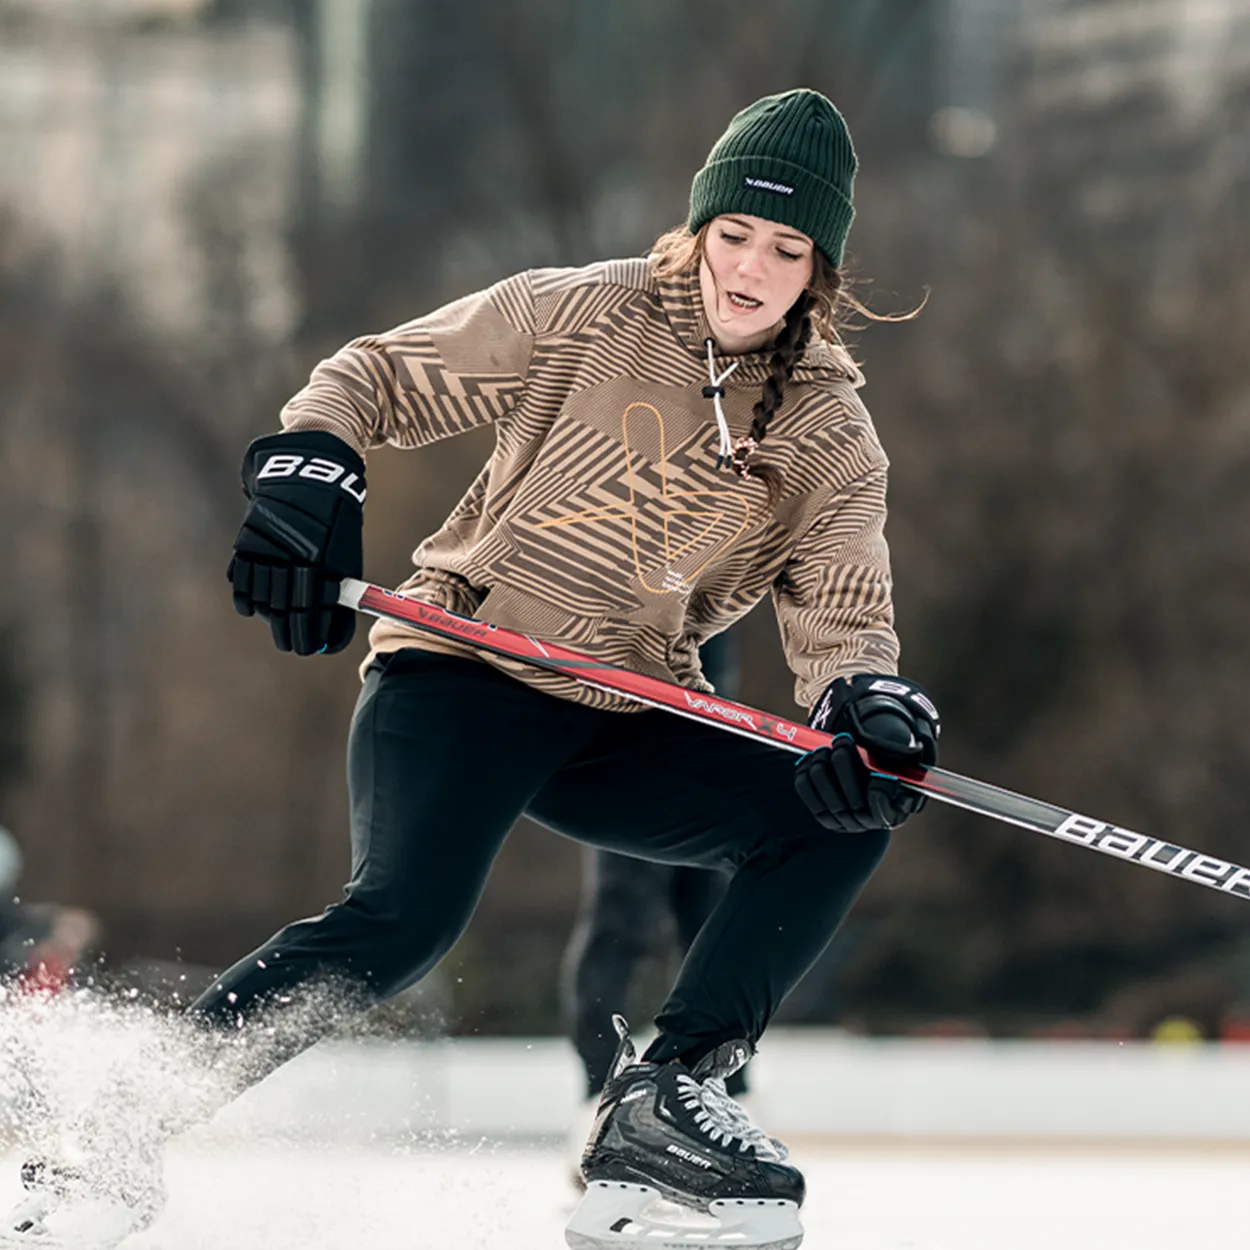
199, 199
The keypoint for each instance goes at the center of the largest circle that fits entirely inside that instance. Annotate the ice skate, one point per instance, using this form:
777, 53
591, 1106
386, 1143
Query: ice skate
673, 1163
80, 1208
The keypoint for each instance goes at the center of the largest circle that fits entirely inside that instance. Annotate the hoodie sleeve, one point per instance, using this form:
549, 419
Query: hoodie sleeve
461, 366
833, 598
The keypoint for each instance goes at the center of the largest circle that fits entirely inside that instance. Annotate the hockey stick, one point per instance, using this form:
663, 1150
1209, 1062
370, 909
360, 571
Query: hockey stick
966, 792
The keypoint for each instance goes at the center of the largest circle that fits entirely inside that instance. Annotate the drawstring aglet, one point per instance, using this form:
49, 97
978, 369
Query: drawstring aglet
715, 391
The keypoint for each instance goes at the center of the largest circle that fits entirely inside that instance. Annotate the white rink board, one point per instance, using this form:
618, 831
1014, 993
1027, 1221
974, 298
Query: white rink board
805, 1083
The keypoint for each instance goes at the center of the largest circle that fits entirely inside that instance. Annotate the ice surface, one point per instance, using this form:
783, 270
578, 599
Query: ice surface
461, 1197
308, 1160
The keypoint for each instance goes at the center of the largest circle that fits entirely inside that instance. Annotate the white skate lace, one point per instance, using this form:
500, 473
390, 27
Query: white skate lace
724, 1120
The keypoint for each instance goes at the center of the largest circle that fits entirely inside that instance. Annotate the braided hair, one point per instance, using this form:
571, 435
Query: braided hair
788, 349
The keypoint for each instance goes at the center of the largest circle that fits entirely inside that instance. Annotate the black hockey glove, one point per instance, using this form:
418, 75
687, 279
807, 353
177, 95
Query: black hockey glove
300, 537
896, 723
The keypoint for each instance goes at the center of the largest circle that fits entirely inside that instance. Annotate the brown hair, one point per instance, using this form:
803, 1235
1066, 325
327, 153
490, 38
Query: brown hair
824, 306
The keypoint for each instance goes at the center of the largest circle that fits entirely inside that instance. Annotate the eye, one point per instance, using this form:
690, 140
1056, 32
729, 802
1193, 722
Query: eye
781, 251
733, 238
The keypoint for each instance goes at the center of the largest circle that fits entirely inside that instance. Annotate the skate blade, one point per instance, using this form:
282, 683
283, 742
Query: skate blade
43, 1222
615, 1215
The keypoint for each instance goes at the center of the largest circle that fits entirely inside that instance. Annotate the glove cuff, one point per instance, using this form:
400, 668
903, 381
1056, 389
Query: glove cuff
892, 717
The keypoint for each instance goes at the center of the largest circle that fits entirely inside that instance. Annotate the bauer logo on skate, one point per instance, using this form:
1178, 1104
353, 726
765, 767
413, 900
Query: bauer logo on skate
688, 1155
1152, 853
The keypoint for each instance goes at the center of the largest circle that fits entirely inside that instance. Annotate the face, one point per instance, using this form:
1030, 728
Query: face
751, 272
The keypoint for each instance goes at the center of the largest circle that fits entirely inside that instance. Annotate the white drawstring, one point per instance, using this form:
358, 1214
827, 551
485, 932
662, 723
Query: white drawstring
715, 391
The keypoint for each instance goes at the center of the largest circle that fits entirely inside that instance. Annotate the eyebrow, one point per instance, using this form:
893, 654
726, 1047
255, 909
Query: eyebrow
781, 234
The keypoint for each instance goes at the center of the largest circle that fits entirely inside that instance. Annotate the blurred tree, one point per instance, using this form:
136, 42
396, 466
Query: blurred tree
12, 708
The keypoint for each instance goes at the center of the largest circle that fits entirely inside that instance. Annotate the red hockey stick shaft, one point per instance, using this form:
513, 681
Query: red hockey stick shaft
939, 783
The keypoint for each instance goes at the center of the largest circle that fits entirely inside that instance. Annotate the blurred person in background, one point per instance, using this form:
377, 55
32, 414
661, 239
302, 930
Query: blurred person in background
41, 944
678, 436
625, 903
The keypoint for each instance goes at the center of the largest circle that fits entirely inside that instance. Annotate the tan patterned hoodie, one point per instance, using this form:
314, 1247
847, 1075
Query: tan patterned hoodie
601, 520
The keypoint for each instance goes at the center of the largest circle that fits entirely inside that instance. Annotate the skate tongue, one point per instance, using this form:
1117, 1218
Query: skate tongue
626, 1053
724, 1061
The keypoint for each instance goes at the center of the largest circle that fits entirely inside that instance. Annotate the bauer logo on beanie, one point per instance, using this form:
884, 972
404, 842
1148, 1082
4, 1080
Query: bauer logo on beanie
787, 158
764, 184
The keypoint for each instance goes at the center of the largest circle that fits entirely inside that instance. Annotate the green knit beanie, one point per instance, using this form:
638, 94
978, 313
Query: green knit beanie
787, 158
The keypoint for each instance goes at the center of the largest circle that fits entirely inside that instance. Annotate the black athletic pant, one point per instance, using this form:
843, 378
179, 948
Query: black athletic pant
446, 753
626, 903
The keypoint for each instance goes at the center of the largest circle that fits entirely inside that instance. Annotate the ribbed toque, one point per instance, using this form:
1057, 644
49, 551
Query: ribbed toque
787, 158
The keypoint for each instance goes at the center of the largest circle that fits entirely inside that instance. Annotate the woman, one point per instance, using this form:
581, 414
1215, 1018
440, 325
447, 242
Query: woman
677, 436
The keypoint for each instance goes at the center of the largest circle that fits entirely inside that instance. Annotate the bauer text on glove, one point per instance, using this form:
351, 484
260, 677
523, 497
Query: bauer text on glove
301, 536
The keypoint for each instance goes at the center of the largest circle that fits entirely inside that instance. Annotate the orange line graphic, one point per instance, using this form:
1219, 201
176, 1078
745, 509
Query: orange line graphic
630, 511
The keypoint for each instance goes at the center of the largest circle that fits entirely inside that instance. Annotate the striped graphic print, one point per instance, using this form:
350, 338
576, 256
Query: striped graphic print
601, 519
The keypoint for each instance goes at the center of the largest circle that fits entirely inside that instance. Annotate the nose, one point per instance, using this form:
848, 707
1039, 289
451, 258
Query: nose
751, 262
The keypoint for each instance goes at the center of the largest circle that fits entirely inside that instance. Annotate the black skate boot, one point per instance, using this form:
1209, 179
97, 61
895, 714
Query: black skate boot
674, 1163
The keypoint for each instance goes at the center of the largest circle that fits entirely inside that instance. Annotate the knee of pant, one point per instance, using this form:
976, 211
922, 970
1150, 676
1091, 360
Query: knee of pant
388, 949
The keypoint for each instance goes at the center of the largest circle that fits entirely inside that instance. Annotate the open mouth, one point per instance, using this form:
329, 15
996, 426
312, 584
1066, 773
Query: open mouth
745, 302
